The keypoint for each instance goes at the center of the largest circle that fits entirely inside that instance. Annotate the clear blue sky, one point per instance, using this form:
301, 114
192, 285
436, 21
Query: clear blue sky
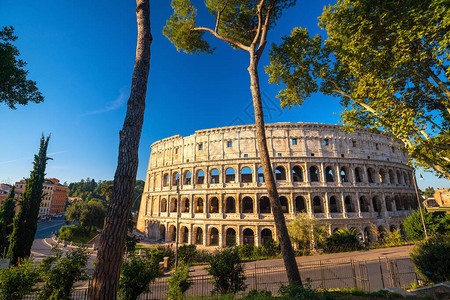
81, 53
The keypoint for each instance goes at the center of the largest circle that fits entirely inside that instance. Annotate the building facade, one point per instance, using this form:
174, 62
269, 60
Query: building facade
210, 185
442, 197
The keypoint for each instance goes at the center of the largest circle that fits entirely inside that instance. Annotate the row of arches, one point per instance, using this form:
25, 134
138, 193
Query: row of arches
314, 174
336, 204
212, 236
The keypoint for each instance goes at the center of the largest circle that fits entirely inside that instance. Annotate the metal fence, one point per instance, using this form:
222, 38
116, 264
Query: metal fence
367, 275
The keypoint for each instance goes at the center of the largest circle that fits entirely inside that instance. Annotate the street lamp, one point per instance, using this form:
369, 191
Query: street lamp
177, 233
420, 205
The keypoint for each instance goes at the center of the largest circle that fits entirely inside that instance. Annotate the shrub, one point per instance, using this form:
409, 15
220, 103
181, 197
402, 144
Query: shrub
135, 276
271, 248
296, 291
245, 251
258, 295
306, 232
187, 253
227, 271
179, 282
431, 258
68, 232
130, 243
156, 255
17, 282
60, 278
342, 240
394, 238
414, 228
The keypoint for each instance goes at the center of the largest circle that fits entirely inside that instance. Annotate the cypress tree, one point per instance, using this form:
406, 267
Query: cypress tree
25, 222
6, 219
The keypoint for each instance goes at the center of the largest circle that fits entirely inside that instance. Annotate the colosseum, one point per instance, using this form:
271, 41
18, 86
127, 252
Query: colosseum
355, 180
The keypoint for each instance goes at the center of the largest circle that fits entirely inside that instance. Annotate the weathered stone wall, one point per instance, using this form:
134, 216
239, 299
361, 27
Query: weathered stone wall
357, 179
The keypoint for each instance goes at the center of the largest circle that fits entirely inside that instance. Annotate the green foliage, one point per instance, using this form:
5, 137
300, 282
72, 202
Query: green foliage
245, 251
343, 240
179, 282
130, 243
271, 248
157, 254
296, 291
226, 268
258, 295
90, 214
25, 222
414, 228
17, 282
393, 238
59, 278
7, 214
388, 63
187, 253
70, 232
136, 275
429, 191
306, 232
14, 86
431, 258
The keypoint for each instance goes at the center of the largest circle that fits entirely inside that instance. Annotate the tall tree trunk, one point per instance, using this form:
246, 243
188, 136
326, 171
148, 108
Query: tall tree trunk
112, 240
280, 223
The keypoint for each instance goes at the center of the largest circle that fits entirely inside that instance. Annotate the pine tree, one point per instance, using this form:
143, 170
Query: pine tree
25, 222
6, 219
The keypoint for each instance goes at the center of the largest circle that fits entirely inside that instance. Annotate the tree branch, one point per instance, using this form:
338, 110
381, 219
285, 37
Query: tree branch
258, 30
220, 37
218, 16
265, 29
441, 85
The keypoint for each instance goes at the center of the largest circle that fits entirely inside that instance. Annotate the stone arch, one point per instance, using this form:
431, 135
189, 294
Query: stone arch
358, 174
349, 206
382, 232
248, 237
284, 204
230, 237
162, 232
344, 174
198, 236
266, 235
264, 205
172, 233
213, 236
317, 205
230, 205
329, 174
370, 175
280, 173
166, 179
398, 203
388, 203
405, 178
376, 203
163, 205
313, 174
185, 205
333, 205
214, 205
184, 234
260, 175
158, 181
173, 205
391, 177
247, 205
246, 175
382, 176
358, 231
368, 237
200, 176
363, 204
199, 205
300, 204
187, 177
297, 174
214, 176
399, 177
175, 178
230, 175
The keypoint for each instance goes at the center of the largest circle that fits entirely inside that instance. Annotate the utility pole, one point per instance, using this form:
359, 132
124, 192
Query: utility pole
420, 207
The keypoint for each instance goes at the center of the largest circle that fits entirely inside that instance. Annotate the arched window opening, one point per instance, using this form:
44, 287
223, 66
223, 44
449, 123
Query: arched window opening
166, 179
246, 175
163, 205
172, 233
260, 175
214, 237
214, 176
266, 235
405, 178
247, 205
248, 237
333, 205
173, 205
300, 204
399, 177
370, 176
382, 233
284, 205
348, 204
376, 204
230, 175
388, 202
230, 206
214, 205
200, 177
198, 233
175, 179
230, 237
297, 174
398, 203
185, 235
317, 205
264, 205
329, 174
358, 175
367, 236
162, 232
391, 177
199, 207
185, 205
382, 176
363, 204
313, 174
280, 173
187, 178
344, 174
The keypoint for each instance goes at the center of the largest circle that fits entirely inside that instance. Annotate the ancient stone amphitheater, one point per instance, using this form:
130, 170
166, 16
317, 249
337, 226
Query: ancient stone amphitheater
211, 183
